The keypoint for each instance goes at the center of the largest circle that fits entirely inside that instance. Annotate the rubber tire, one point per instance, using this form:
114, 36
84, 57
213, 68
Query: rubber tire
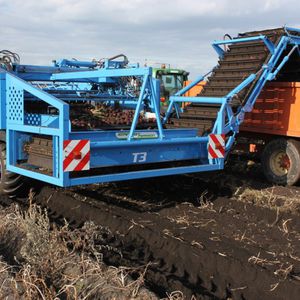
292, 149
11, 184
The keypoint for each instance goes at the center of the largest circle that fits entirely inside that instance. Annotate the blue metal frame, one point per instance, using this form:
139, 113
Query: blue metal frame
120, 148
267, 73
216, 44
107, 148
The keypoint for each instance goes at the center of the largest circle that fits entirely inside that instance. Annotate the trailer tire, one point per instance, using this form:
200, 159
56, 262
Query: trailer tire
281, 161
11, 184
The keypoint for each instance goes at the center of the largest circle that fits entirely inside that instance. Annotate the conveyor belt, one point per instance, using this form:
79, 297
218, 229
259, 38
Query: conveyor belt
239, 61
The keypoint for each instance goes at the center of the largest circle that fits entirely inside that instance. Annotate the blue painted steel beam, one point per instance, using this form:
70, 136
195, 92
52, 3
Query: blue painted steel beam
35, 129
155, 99
220, 120
41, 73
36, 175
102, 73
138, 107
239, 40
111, 135
208, 100
192, 84
189, 86
144, 174
220, 51
272, 75
75, 63
150, 142
292, 29
241, 86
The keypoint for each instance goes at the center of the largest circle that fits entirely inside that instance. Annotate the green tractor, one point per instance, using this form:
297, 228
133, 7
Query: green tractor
171, 81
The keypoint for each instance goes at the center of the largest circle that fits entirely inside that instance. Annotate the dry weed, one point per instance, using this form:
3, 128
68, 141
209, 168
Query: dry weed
175, 295
267, 198
205, 203
284, 272
55, 263
257, 260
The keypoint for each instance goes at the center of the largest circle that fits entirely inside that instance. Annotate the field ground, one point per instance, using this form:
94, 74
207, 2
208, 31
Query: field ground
223, 235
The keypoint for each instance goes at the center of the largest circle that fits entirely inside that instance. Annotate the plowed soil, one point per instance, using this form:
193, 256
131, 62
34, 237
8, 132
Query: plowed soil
204, 236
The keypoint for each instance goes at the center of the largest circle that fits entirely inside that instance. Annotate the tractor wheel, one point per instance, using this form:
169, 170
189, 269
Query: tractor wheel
11, 184
281, 161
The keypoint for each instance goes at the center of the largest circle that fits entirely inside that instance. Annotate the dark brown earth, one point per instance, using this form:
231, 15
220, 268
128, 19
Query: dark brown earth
201, 235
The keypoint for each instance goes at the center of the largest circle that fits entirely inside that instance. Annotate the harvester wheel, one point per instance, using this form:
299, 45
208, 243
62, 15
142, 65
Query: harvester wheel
281, 161
11, 184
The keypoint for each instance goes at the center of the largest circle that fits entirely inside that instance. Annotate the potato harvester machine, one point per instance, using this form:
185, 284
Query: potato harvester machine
42, 108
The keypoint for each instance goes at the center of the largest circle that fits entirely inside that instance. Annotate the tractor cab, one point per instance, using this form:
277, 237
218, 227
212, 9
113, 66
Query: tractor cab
171, 81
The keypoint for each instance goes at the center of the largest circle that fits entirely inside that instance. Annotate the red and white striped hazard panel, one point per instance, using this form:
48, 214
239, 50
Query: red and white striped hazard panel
76, 155
216, 146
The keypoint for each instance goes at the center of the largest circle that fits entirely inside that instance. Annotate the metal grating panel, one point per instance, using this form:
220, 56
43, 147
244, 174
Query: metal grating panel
15, 109
33, 119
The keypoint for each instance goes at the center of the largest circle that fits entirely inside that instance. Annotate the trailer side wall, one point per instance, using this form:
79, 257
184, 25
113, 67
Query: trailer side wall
276, 111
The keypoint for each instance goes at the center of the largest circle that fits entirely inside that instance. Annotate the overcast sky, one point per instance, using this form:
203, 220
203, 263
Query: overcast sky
178, 32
